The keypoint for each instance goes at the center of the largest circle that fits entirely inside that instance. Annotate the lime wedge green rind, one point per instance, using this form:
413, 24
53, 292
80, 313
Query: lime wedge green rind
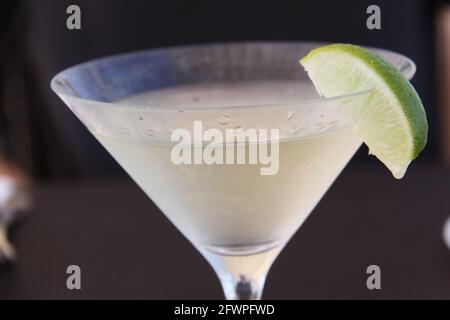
392, 121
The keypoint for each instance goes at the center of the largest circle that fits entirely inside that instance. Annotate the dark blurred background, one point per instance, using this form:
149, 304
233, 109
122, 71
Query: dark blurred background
43, 137
86, 214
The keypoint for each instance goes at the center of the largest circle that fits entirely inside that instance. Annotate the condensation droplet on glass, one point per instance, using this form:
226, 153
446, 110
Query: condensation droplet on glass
294, 130
290, 115
149, 132
224, 119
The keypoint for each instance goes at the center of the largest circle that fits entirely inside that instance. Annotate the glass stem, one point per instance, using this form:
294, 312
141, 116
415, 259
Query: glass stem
243, 287
242, 276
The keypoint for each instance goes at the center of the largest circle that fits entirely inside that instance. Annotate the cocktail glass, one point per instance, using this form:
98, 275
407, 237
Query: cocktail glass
238, 218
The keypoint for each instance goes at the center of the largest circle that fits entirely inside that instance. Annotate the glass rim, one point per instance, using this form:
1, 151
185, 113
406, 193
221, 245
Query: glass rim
403, 60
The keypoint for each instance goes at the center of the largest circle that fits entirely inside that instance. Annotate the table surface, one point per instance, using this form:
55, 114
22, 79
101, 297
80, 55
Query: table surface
127, 249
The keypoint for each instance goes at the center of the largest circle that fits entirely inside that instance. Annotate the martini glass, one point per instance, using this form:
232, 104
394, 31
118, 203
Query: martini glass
238, 218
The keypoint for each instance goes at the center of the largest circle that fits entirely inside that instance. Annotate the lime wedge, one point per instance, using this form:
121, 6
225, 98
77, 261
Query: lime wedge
392, 121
